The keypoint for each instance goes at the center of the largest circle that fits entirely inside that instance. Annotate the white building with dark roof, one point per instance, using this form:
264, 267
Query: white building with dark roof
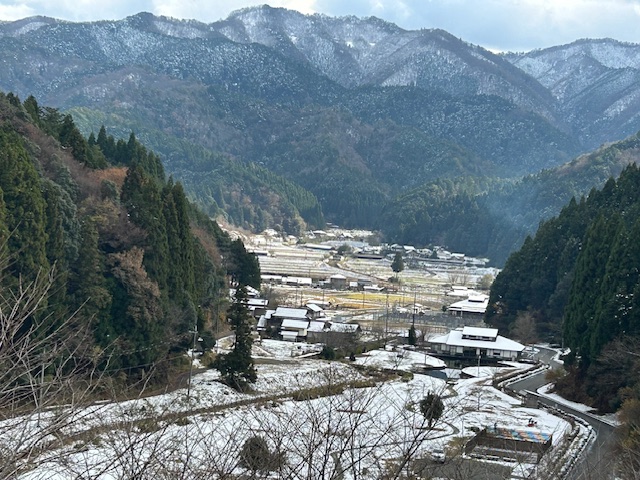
476, 342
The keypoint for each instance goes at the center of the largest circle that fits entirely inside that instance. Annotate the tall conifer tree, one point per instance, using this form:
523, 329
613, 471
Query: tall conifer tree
237, 367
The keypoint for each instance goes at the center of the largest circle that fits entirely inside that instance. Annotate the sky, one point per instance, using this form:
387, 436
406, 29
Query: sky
499, 25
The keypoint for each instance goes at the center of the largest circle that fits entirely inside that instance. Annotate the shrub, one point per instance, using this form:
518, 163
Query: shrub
256, 456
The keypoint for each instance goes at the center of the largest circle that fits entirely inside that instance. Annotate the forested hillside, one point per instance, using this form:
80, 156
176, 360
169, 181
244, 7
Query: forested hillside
352, 153
126, 252
579, 279
215, 104
488, 216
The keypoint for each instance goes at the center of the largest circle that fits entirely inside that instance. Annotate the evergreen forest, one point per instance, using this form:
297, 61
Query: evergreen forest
126, 254
578, 278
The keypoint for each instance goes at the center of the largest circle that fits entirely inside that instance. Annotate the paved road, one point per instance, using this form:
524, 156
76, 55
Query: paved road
595, 463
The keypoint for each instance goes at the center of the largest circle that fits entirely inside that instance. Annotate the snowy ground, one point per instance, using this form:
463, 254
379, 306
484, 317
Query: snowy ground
398, 359
331, 428
544, 390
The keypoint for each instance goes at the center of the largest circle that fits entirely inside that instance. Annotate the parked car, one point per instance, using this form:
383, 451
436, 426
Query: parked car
438, 455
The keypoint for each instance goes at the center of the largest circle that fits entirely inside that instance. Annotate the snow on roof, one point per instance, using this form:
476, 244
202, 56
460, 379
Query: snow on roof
314, 308
297, 324
478, 297
297, 280
287, 312
475, 304
338, 276
344, 327
316, 326
271, 277
257, 302
479, 332
252, 292
460, 291
262, 322
317, 246
454, 338
372, 288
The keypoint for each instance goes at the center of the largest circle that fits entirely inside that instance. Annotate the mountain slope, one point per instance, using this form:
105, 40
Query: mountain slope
596, 84
350, 111
578, 280
124, 251
492, 217
357, 52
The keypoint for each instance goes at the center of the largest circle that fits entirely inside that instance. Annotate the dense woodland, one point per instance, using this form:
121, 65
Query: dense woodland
578, 279
129, 255
290, 166
491, 216
315, 169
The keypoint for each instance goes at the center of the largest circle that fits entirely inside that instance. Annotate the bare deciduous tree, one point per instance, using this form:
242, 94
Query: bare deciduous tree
524, 328
47, 376
335, 431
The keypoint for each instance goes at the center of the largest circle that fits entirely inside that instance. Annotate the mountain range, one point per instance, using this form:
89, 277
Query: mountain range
277, 119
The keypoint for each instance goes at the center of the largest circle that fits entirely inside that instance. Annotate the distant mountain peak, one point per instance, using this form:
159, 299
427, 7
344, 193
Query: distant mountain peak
29, 24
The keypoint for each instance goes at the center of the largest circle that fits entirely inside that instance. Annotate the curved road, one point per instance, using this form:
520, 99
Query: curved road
595, 462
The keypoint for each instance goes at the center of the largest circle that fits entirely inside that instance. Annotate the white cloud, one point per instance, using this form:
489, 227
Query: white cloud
15, 12
74, 10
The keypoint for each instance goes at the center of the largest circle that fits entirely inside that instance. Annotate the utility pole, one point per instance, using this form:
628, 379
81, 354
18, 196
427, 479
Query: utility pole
413, 321
193, 354
386, 321
478, 377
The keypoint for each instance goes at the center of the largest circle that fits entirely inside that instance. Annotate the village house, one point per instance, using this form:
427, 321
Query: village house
333, 334
306, 324
338, 281
317, 330
473, 306
314, 311
293, 330
257, 306
284, 319
476, 342
265, 324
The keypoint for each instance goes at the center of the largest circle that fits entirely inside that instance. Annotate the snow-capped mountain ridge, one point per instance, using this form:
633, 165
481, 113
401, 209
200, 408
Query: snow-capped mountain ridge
587, 88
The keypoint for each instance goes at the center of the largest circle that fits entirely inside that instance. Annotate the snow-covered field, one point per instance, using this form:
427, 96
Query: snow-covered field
322, 417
